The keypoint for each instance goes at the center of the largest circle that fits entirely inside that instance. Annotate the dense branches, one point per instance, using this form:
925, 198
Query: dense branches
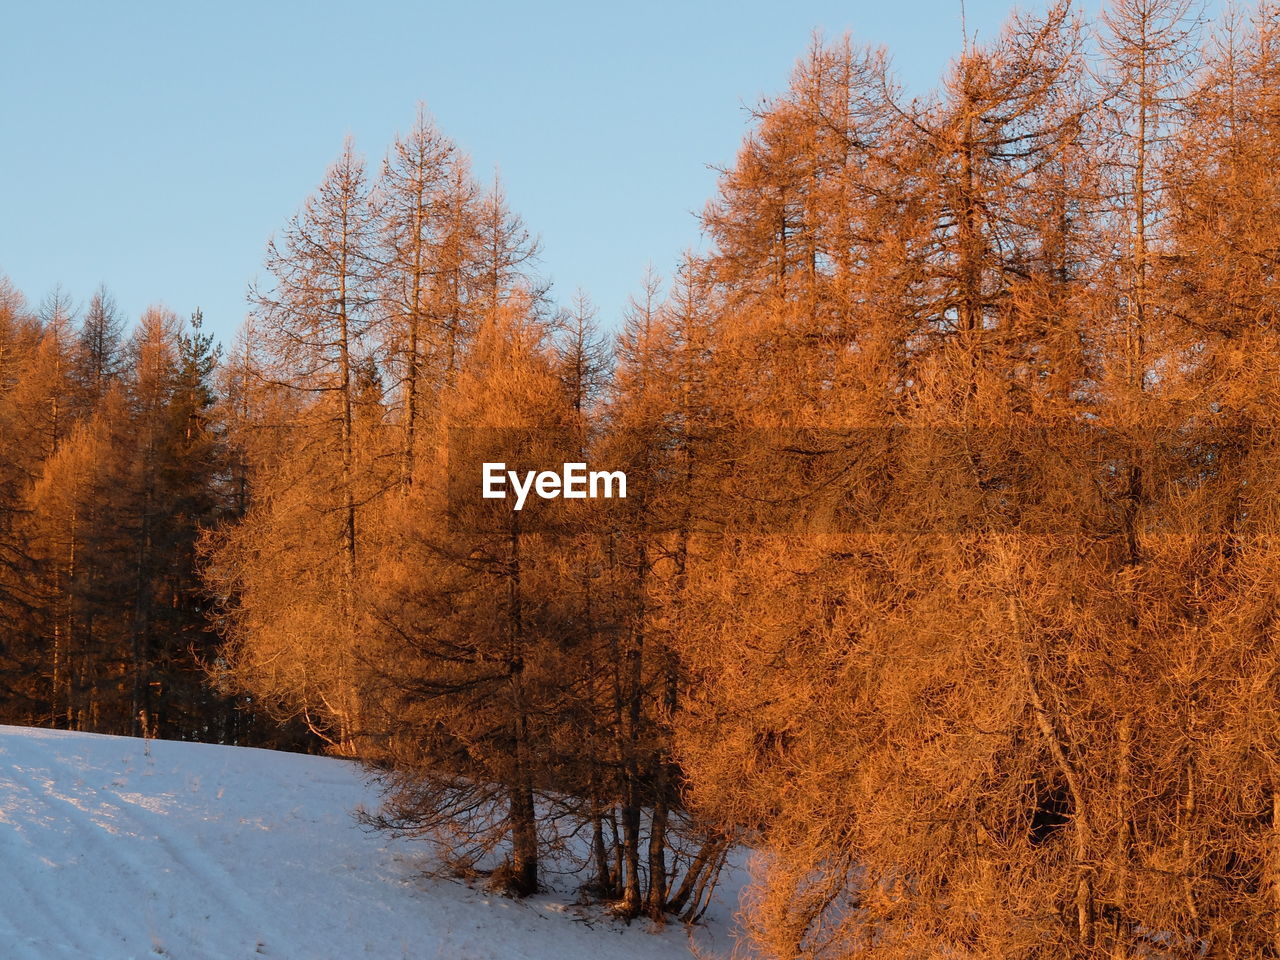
945, 577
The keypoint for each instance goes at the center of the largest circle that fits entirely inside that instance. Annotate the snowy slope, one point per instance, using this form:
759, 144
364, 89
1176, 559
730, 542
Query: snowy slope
115, 848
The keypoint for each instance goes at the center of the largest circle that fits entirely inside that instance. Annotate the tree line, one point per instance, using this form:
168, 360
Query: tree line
946, 579
113, 465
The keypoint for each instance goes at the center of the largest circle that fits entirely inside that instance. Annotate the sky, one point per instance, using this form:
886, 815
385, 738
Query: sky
155, 147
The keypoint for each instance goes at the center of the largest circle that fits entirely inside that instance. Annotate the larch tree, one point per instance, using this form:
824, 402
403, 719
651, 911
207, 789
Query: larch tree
101, 340
465, 619
311, 327
21, 594
414, 209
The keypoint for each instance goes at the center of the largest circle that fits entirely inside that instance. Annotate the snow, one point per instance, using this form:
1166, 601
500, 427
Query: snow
116, 848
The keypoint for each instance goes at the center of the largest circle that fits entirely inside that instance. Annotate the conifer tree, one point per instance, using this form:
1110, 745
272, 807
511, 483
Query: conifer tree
312, 322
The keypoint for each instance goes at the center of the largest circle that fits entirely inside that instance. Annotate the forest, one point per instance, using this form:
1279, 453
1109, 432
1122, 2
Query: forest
947, 576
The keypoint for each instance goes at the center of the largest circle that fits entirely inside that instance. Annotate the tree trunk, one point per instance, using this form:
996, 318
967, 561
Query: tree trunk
1049, 728
524, 830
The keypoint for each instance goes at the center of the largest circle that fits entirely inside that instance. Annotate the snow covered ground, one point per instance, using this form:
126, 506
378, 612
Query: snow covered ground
116, 848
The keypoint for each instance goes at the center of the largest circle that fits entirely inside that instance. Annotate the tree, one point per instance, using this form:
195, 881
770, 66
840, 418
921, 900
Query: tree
101, 335
415, 211
466, 620
311, 327
21, 593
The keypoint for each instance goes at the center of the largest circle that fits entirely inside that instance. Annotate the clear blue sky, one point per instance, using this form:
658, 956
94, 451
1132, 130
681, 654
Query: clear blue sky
156, 146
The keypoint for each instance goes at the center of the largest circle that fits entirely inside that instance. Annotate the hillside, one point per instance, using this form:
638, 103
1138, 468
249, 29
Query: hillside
120, 848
